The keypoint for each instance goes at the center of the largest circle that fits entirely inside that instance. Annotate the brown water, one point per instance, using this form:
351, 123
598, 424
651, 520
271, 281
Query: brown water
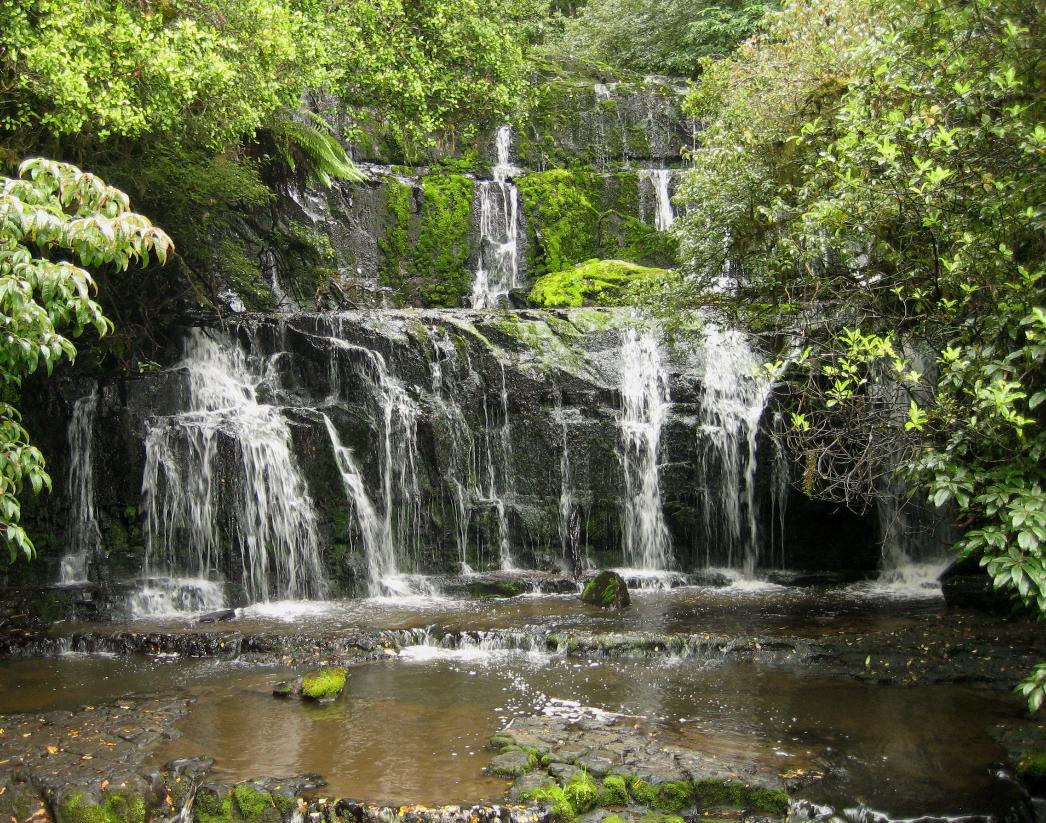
413, 729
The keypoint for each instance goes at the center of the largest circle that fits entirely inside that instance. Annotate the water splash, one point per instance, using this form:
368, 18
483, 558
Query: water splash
222, 475
176, 597
734, 396
644, 405
498, 265
83, 534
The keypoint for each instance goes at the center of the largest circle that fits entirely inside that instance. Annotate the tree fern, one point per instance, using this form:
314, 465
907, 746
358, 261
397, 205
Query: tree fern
307, 146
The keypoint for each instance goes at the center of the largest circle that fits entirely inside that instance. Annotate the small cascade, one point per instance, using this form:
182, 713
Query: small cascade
224, 471
377, 540
660, 182
734, 396
498, 265
644, 404
916, 541
84, 537
391, 534
176, 597
569, 513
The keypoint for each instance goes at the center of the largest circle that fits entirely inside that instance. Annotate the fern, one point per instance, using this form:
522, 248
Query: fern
307, 146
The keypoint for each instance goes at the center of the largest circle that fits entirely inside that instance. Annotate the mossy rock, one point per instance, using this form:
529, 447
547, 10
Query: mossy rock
324, 684
715, 793
614, 792
112, 807
607, 590
496, 588
1031, 768
594, 283
578, 796
514, 762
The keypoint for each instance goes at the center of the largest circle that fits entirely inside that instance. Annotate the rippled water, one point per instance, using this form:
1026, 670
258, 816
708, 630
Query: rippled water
413, 728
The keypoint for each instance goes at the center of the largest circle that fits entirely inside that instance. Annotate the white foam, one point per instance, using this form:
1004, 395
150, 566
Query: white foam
288, 611
911, 581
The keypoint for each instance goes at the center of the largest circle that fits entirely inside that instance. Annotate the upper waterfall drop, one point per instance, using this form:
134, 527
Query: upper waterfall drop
644, 405
84, 535
193, 503
499, 215
661, 181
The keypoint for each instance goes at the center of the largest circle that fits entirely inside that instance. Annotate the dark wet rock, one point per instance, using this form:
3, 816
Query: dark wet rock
966, 584
513, 763
563, 772
287, 688
803, 579
217, 617
607, 590
709, 578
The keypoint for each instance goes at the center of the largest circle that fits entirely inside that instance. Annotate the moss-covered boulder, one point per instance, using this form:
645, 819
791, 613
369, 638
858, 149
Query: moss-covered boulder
594, 283
607, 590
1032, 770
324, 684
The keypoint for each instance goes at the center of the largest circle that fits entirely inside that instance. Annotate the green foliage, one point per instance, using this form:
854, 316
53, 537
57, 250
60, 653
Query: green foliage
324, 683
881, 165
594, 283
51, 215
654, 36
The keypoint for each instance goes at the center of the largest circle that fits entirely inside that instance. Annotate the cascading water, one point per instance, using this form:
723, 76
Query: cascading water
644, 404
224, 471
569, 514
391, 534
498, 264
83, 535
660, 181
734, 397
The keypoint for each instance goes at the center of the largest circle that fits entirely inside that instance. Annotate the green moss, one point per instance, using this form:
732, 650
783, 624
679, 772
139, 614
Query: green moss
116, 807
606, 590
555, 797
323, 683
658, 817
582, 792
673, 797
496, 588
720, 793
443, 245
614, 792
425, 254
562, 211
614, 818
395, 245
251, 803
210, 807
642, 792
1032, 765
594, 283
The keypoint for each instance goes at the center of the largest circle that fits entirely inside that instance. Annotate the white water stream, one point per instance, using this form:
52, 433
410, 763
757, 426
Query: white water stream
498, 266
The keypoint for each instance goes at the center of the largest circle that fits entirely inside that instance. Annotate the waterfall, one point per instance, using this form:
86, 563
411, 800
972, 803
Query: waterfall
569, 514
660, 181
84, 538
377, 538
780, 480
498, 264
644, 405
223, 471
391, 536
734, 395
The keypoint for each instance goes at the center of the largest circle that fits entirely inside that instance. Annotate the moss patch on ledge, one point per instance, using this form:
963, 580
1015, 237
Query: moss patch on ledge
595, 283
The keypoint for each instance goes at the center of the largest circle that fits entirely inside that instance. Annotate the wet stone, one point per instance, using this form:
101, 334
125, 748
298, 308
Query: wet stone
513, 763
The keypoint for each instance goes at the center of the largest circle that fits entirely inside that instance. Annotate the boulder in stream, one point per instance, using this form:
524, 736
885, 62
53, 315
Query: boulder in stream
607, 590
321, 685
